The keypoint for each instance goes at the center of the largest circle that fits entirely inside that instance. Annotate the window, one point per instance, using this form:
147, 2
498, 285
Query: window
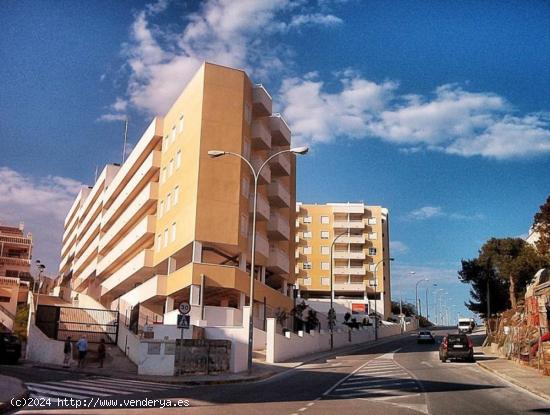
168, 201
178, 159
307, 281
159, 242
166, 237
180, 124
373, 235
372, 267
244, 225
325, 266
372, 221
173, 231
324, 220
170, 167
173, 135
307, 250
306, 265
161, 209
324, 234
245, 187
176, 194
307, 219
307, 234
372, 251
325, 250
163, 176
325, 281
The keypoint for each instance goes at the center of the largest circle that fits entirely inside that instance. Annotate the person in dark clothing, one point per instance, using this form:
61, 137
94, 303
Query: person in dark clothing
101, 352
67, 351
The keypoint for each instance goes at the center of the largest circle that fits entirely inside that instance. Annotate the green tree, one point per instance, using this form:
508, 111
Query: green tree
541, 224
21, 321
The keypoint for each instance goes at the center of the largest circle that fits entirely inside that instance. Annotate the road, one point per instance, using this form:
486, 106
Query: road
398, 377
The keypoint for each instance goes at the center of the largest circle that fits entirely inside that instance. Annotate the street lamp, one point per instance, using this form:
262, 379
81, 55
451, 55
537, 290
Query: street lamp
256, 175
375, 300
41, 267
331, 312
416, 291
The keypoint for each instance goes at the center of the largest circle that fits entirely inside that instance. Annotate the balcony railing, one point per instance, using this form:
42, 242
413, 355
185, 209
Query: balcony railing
278, 227
355, 224
350, 271
280, 132
262, 208
15, 240
279, 195
261, 137
349, 255
261, 101
262, 245
351, 239
348, 208
346, 286
278, 261
6, 260
280, 165
265, 174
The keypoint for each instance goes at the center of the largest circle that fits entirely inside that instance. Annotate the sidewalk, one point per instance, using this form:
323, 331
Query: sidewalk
523, 376
260, 370
10, 388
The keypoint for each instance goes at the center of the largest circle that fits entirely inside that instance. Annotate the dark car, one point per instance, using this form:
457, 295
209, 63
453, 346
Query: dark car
10, 347
425, 337
456, 346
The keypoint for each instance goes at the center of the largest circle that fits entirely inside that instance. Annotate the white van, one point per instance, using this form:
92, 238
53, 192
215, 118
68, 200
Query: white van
465, 325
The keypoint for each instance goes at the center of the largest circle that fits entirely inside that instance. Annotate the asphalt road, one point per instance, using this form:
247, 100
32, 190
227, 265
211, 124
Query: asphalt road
398, 377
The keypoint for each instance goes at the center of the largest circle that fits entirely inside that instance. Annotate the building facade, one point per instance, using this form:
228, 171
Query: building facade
172, 224
15, 271
362, 242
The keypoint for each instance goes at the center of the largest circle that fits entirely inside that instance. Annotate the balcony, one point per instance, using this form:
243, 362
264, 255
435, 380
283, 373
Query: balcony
261, 137
150, 166
261, 101
141, 204
350, 271
348, 208
349, 255
262, 208
89, 253
279, 196
131, 272
278, 227
346, 286
265, 174
86, 238
262, 245
137, 236
87, 272
151, 288
349, 224
280, 165
351, 239
5, 260
278, 262
280, 132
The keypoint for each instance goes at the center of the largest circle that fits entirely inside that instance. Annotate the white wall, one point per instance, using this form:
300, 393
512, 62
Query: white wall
40, 348
155, 364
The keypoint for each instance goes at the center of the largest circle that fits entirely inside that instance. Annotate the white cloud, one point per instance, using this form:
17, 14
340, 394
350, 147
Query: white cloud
453, 121
425, 212
112, 117
41, 203
430, 212
398, 247
226, 32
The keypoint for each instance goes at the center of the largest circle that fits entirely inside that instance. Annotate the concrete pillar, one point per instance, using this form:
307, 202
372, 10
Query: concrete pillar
242, 300
262, 275
197, 251
284, 287
194, 294
242, 261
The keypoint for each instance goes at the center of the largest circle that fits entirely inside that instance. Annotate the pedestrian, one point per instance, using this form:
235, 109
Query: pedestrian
82, 347
67, 351
101, 352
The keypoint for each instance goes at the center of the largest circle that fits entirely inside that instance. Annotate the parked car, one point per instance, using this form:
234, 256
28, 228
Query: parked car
456, 346
10, 347
425, 337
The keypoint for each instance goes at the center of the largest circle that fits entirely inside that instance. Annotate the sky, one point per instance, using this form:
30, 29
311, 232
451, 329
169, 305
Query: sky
437, 110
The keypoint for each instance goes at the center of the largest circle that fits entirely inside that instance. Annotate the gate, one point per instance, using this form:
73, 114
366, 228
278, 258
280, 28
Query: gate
59, 322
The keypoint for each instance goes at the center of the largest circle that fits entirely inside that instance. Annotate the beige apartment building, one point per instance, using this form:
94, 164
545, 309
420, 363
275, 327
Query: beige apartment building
362, 234
172, 224
15, 267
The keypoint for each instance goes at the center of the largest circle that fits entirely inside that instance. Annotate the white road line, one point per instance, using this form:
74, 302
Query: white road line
376, 381
50, 392
141, 382
62, 388
115, 386
376, 385
75, 383
344, 379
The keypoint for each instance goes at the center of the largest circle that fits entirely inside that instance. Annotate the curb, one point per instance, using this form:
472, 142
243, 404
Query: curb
7, 406
514, 381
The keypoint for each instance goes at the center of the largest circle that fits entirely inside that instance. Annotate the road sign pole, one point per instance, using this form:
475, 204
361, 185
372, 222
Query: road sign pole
183, 322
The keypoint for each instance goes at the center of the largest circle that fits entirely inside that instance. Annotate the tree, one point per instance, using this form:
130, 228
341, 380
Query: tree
281, 316
312, 320
408, 308
541, 224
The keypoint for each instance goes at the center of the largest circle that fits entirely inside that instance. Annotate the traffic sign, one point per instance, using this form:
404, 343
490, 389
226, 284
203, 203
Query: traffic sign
184, 308
183, 321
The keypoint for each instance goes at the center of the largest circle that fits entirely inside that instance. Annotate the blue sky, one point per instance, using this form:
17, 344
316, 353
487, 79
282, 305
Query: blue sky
437, 110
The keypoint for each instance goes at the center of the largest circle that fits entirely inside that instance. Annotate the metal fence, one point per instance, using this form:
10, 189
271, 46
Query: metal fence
60, 322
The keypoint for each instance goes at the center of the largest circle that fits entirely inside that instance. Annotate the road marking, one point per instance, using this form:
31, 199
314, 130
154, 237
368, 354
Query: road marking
426, 363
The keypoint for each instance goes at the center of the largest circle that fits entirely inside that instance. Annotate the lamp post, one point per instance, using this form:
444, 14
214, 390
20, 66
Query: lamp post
375, 299
416, 291
256, 175
41, 267
331, 313
438, 305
